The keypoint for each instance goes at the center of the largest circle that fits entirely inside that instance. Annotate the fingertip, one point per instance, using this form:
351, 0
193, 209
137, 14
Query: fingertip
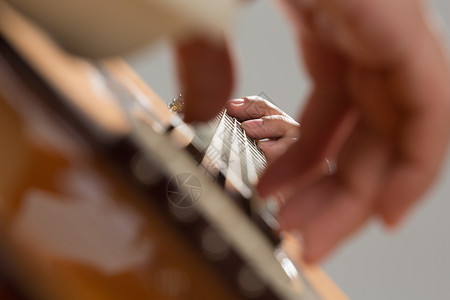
286, 222
315, 250
308, 253
235, 102
392, 220
234, 106
311, 257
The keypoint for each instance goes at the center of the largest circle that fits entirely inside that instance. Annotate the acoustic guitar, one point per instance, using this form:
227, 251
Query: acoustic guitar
106, 194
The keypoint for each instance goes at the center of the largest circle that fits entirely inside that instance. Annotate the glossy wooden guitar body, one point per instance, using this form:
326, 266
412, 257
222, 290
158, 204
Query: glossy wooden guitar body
74, 224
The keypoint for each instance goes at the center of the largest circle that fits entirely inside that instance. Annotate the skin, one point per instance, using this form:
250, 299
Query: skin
205, 72
274, 130
379, 108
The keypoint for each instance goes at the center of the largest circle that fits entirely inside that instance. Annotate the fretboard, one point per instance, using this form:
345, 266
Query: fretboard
230, 157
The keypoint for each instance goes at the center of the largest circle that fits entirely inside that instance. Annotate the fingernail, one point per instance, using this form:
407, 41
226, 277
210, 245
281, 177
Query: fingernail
267, 142
236, 102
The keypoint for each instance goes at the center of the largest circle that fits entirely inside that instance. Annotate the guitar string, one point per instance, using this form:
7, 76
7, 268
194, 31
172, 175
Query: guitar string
256, 151
257, 154
227, 129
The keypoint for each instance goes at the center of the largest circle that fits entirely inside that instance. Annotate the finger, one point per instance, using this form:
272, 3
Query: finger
326, 119
334, 221
252, 107
425, 132
335, 207
205, 73
272, 127
325, 114
368, 32
326, 126
299, 12
273, 149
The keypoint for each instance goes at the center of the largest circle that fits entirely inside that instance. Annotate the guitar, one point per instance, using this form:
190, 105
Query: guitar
106, 194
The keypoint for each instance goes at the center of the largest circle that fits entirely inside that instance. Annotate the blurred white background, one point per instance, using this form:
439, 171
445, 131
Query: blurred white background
411, 263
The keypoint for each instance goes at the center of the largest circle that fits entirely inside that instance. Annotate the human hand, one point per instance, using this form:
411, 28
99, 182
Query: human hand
379, 108
263, 121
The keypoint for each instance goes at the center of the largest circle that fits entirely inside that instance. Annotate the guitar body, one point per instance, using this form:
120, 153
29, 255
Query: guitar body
87, 191
72, 226
75, 230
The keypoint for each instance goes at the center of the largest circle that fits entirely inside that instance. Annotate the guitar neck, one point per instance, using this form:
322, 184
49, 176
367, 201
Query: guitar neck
141, 149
